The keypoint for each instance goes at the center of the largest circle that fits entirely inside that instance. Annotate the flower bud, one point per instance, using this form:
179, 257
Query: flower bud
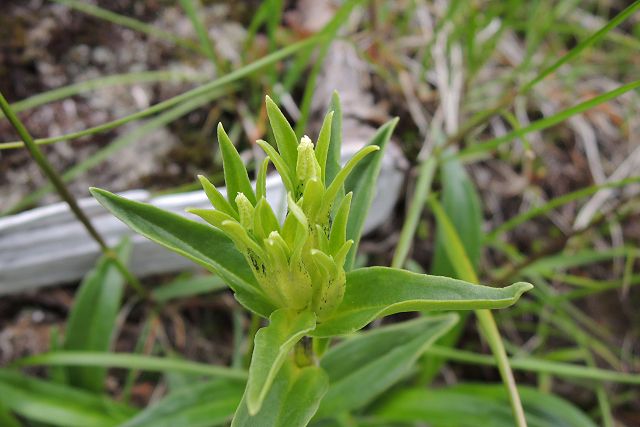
307, 166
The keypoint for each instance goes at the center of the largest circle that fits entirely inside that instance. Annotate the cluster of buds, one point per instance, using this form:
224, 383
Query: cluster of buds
299, 263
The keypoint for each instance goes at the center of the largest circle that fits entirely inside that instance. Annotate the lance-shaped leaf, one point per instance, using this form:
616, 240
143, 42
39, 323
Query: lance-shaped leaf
93, 317
332, 164
374, 292
285, 136
470, 405
336, 187
363, 183
286, 172
235, 173
261, 179
197, 405
199, 242
291, 402
58, 405
377, 359
322, 145
216, 198
271, 347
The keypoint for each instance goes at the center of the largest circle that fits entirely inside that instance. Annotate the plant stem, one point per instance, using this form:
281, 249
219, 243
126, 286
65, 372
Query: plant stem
488, 328
492, 335
420, 195
65, 194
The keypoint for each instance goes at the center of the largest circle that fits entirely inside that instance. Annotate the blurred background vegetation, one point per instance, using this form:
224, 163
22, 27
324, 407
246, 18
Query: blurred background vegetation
533, 105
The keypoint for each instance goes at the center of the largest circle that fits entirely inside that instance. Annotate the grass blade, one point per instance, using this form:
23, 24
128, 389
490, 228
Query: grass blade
128, 22
131, 361
92, 319
58, 405
485, 147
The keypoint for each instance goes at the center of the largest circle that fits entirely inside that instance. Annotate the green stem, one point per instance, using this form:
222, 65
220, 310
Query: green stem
420, 195
492, 335
65, 194
488, 328
51, 174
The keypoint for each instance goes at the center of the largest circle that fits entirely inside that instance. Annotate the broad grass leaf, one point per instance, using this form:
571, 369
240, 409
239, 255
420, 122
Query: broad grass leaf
201, 243
461, 203
472, 405
272, 346
362, 367
205, 404
93, 317
58, 405
292, 400
363, 183
374, 292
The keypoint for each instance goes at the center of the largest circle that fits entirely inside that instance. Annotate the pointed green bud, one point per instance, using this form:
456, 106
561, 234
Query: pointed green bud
307, 166
245, 211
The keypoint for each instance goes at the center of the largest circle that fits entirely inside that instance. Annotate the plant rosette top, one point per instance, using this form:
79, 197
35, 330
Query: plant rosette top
299, 264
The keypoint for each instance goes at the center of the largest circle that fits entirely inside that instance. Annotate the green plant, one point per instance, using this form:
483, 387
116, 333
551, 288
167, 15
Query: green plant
298, 273
563, 344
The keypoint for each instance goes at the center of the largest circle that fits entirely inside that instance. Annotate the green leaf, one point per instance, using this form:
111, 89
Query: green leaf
216, 198
235, 173
285, 136
201, 243
337, 186
322, 145
131, 361
265, 220
291, 402
261, 179
6, 418
461, 202
374, 292
272, 346
286, 173
58, 405
471, 405
332, 165
185, 287
339, 226
204, 404
363, 367
93, 317
363, 183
